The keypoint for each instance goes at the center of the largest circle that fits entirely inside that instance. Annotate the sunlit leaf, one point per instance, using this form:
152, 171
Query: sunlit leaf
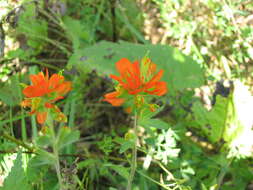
230, 119
181, 71
16, 177
156, 123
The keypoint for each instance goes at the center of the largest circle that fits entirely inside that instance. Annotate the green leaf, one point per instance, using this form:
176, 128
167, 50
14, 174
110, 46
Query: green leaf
76, 31
18, 53
119, 169
16, 177
67, 136
106, 145
35, 170
42, 158
125, 146
10, 93
213, 122
43, 141
33, 28
156, 123
230, 119
177, 66
86, 163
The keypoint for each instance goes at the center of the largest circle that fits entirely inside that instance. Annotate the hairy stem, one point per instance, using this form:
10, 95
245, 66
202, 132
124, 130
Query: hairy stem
134, 156
55, 151
57, 166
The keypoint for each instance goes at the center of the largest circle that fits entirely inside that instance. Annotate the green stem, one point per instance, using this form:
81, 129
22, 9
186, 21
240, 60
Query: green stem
55, 151
57, 166
16, 141
134, 156
222, 174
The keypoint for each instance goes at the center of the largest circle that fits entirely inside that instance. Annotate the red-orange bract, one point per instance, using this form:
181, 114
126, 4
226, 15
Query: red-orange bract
45, 91
136, 79
44, 86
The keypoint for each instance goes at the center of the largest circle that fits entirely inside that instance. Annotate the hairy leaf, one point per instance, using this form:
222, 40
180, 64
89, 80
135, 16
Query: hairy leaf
181, 72
16, 177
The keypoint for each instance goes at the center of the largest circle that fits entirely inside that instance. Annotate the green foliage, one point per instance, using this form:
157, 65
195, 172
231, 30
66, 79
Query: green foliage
129, 21
177, 66
213, 122
182, 145
106, 145
227, 121
76, 31
16, 177
67, 136
36, 170
156, 123
215, 33
126, 145
119, 169
10, 93
36, 30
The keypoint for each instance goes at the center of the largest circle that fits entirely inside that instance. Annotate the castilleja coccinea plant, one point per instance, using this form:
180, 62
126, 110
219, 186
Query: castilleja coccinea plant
136, 81
43, 92
40, 96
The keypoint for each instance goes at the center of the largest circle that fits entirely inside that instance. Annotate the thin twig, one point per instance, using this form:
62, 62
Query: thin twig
18, 142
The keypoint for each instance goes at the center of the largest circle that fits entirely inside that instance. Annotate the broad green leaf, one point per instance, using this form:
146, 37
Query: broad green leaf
181, 72
16, 177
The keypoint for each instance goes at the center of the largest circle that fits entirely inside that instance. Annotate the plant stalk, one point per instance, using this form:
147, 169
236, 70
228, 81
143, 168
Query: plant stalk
18, 142
222, 174
57, 166
55, 151
134, 156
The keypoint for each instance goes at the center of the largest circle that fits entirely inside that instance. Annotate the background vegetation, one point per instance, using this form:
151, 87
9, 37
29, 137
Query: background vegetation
203, 137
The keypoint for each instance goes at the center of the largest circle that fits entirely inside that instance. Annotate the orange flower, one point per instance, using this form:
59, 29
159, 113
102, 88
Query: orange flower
113, 99
44, 86
43, 92
136, 79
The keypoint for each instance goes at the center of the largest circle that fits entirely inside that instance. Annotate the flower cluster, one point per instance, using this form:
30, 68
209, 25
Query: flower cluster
138, 80
43, 92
